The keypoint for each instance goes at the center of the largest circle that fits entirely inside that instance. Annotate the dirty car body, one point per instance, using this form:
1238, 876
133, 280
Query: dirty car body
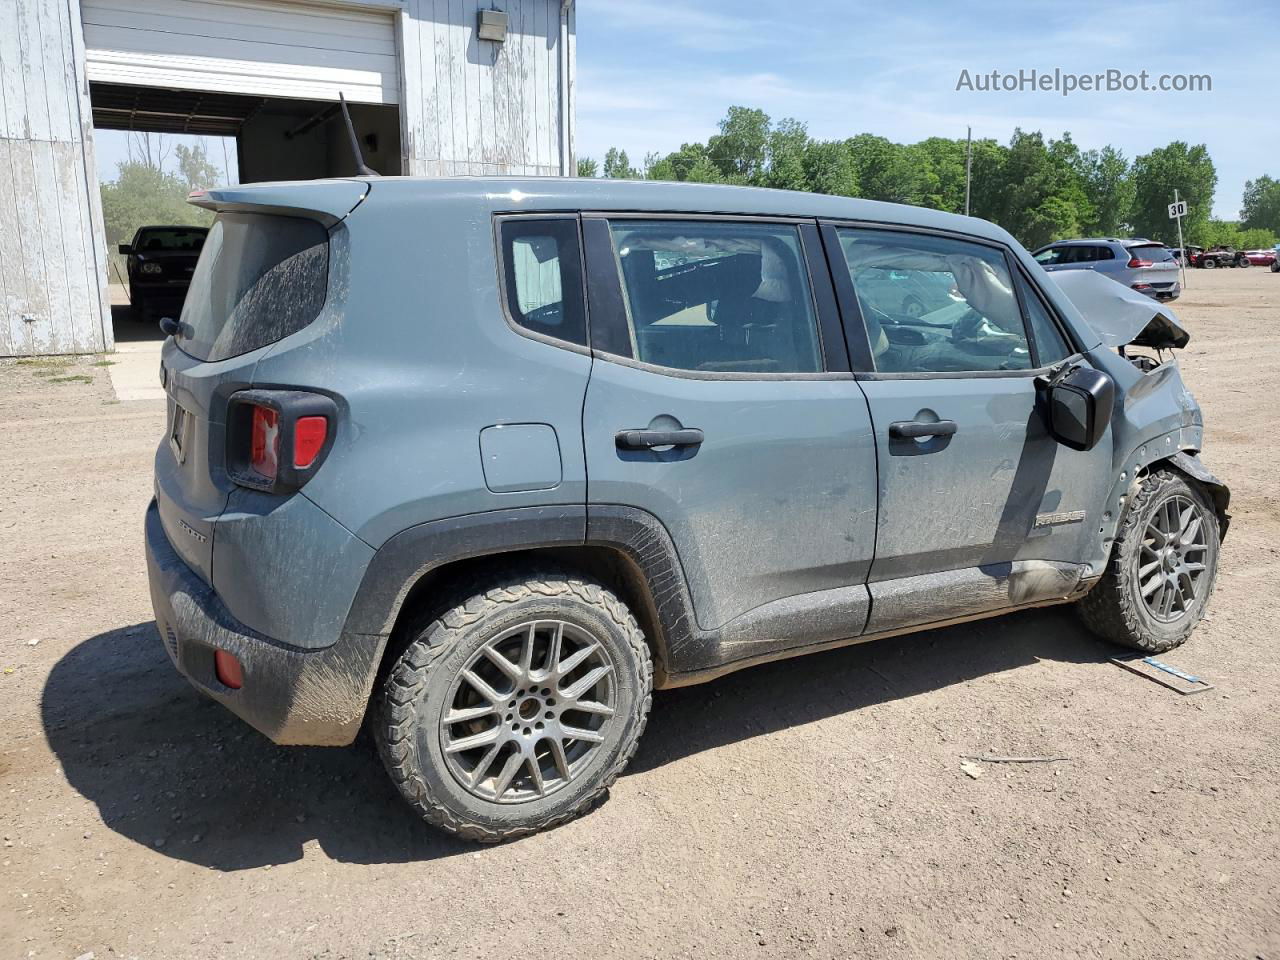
404, 408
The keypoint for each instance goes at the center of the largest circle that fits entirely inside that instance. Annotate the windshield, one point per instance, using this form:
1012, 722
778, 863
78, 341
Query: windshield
259, 279
167, 239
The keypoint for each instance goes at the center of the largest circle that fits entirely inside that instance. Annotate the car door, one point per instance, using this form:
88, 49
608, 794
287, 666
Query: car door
979, 508
721, 404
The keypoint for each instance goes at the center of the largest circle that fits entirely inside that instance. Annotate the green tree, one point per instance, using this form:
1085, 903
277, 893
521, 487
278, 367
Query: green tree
882, 167
1041, 197
740, 150
617, 166
1156, 175
785, 148
1107, 181
1260, 208
588, 167
939, 164
194, 167
828, 168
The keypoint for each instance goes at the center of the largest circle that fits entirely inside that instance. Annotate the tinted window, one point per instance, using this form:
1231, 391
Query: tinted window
259, 278
542, 262
1050, 345
1083, 254
1052, 256
1155, 252
971, 323
169, 239
1103, 253
717, 297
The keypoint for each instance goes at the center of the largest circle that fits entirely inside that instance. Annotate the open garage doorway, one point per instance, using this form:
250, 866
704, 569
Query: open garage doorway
159, 143
251, 87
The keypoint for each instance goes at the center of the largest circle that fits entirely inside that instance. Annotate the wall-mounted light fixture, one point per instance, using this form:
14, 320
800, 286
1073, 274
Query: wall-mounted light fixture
491, 25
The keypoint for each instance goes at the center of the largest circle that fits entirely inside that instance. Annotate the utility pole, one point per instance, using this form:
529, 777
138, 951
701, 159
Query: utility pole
968, 166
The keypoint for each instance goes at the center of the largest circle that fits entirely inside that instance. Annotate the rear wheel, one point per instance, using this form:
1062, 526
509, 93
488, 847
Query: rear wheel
1275, 265
1244, 262
1209, 263
1162, 568
516, 709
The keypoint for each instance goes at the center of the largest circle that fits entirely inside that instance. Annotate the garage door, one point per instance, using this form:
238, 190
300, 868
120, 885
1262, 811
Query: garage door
266, 48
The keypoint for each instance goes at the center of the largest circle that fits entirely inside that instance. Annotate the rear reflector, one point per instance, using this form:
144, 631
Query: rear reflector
264, 443
230, 673
308, 440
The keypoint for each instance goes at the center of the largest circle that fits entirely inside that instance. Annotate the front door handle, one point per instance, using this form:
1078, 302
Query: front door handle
915, 429
648, 439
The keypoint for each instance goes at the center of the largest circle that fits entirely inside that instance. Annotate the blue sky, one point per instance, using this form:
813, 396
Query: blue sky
653, 74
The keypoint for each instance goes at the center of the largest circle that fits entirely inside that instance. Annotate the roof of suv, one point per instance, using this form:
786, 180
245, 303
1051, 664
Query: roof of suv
515, 194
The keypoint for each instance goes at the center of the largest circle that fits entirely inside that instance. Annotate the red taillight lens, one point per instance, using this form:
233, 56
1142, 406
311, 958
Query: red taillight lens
308, 439
264, 445
1135, 262
227, 667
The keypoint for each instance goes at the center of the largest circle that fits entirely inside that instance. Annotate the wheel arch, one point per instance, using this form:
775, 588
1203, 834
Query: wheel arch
429, 566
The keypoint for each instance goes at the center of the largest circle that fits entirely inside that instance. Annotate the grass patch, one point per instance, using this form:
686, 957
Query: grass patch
103, 363
74, 378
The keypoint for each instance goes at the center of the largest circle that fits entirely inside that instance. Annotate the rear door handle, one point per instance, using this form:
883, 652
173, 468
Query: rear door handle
915, 429
648, 439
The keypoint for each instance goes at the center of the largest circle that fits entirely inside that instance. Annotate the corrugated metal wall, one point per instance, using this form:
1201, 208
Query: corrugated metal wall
477, 107
52, 251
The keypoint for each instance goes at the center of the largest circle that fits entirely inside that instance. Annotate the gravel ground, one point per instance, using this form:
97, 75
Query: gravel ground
814, 807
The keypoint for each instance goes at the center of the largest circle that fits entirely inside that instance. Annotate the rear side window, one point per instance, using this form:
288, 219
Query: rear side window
1103, 253
717, 297
259, 279
542, 272
935, 304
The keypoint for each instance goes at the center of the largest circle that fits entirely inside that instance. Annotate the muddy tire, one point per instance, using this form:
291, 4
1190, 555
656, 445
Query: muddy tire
1162, 567
517, 708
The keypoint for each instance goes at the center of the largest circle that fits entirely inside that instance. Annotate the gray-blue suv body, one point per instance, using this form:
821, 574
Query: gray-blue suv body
483, 462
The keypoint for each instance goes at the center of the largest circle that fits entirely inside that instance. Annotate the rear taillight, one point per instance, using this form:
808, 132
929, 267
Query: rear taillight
264, 442
277, 439
1135, 262
309, 434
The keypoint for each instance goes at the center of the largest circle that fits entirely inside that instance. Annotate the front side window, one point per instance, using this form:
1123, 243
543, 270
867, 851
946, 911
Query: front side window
544, 277
717, 297
1052, 256
935, 304
1051, 347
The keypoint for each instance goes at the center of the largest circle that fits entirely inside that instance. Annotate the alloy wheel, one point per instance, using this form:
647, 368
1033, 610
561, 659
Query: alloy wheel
1172, 562
528, 711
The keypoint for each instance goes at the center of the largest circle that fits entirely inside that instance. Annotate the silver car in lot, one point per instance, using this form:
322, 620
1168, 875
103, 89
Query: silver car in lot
1143, 265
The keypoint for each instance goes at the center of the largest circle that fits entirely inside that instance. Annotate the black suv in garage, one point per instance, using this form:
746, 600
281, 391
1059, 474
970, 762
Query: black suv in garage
161, 261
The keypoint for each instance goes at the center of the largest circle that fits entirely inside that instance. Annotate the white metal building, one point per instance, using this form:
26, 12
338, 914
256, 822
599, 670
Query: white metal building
436, 87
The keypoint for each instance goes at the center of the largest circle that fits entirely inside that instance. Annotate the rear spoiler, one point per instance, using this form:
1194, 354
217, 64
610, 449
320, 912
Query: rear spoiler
327, 201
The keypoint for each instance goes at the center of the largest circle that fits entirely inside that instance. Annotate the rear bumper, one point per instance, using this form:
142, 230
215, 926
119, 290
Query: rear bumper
293, 696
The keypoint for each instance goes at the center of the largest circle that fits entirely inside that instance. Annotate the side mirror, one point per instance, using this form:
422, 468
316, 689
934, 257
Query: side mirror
125, 248
1079, 407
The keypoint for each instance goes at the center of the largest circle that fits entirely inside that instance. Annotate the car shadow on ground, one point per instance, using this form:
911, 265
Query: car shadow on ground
178, 773
128, 327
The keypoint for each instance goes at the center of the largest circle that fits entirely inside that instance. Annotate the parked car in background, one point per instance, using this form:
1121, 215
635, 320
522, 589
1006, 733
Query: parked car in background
404, 479
1143, 265
1221, 256
161, 261
1260, 258
908, 293
1187, 255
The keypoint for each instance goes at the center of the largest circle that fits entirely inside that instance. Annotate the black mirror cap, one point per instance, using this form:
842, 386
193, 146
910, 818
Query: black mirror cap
125, 249
1079, 408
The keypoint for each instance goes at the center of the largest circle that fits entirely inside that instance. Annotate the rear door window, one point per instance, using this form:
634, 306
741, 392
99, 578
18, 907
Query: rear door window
542, 273
259, 279
717, 297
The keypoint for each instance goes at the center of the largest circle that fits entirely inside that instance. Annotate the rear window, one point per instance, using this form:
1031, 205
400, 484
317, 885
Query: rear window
1155, 252
167, 239
259, 279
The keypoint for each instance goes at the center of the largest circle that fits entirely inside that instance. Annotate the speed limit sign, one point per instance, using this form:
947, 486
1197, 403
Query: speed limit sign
1177, 210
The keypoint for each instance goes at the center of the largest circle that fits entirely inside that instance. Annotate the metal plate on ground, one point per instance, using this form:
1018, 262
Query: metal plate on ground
1161, 672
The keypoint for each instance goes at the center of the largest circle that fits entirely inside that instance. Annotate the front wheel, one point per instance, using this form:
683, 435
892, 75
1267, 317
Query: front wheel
1275, 266
1209, 263
1244, 262
1162, 568
516, 709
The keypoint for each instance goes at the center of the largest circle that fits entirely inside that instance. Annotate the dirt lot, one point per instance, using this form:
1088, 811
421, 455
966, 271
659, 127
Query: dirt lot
814, 807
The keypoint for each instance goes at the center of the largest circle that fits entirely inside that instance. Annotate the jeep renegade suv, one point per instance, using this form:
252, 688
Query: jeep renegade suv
485, 461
